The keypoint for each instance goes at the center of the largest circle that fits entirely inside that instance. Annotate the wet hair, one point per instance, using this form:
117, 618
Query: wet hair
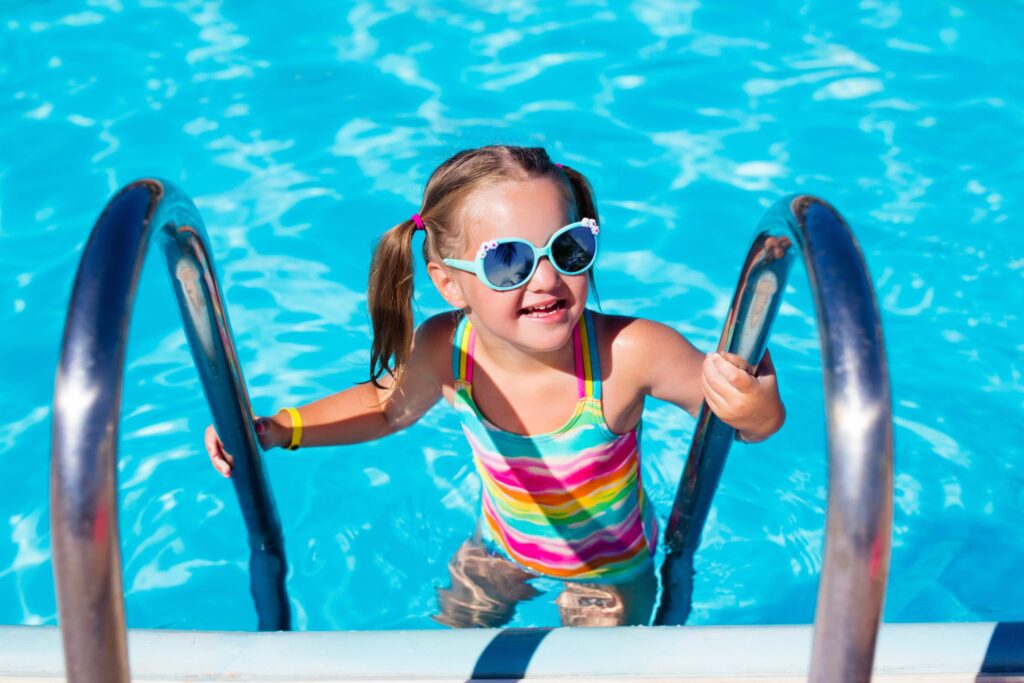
391, 272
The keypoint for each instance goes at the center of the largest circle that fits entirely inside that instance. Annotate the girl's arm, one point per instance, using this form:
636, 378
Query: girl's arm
366, 412
673, 370
363, 412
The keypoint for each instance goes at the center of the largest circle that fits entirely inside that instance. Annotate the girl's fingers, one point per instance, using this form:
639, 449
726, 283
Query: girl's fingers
263, 434
210, 439
220, 459
714, 400
714, 376
220, 464
227, 461
737, 361
224, 463
739, 378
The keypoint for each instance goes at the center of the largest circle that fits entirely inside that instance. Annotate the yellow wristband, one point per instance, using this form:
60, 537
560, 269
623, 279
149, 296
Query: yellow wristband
296, 428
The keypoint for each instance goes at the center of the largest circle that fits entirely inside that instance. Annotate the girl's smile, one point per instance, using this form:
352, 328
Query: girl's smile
549, 312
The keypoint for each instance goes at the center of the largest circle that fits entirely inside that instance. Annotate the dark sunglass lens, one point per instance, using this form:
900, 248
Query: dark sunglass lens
574, 250
509, 264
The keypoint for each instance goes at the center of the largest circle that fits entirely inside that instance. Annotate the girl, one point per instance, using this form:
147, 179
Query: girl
550, 393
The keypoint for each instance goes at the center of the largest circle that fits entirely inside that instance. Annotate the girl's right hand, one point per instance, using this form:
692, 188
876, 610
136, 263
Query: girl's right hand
269, 433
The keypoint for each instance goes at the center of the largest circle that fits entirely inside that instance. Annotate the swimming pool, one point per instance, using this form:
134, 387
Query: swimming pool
304, 136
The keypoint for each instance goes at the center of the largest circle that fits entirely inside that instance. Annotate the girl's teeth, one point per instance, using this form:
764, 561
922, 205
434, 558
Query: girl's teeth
542, 310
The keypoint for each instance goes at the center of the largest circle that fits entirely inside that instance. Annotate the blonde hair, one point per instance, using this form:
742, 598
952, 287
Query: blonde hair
390, 288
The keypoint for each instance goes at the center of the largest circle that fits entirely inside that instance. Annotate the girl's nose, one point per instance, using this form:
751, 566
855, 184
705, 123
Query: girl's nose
545, 277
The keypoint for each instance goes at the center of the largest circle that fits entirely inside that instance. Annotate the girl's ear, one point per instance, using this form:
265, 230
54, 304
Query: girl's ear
447, 285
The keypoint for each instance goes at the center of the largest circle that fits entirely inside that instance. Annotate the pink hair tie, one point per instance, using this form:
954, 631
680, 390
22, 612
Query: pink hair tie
418, 221
560, 166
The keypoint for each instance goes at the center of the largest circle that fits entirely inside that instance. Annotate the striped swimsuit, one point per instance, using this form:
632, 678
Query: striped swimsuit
567, 504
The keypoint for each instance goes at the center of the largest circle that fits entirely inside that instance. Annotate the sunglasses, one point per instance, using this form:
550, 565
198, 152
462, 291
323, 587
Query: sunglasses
510, 262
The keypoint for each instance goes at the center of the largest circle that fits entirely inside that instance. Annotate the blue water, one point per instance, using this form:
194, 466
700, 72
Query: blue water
303, 134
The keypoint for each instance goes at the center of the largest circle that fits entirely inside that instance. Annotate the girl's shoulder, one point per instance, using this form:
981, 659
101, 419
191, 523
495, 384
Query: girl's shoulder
433, 342
640, 348
629, 336
440, 324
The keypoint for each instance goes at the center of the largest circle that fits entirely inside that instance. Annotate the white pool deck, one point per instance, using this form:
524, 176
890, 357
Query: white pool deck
945, 653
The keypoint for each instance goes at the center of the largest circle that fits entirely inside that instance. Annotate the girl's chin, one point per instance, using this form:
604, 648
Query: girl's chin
547, 334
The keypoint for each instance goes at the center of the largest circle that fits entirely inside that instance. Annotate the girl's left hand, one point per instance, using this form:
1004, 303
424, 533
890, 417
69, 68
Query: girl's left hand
742, 397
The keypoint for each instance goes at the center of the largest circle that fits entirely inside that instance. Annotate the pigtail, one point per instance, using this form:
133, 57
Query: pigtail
389, 297
586, 207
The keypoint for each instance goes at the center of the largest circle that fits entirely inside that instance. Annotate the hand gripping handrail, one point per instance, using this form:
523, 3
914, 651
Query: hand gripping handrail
859, 422
86, 413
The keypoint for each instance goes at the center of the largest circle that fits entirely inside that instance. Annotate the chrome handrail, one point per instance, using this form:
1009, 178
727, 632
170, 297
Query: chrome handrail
859, 423
86, 414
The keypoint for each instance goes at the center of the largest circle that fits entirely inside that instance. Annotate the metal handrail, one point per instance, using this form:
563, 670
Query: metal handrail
859, 423
86, 413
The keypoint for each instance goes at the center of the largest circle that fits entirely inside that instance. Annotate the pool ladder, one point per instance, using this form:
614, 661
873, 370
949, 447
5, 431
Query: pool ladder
86, 552
859, 422
86, 414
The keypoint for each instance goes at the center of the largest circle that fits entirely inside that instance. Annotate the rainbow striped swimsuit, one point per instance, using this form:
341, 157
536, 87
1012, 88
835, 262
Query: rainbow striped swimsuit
567, 504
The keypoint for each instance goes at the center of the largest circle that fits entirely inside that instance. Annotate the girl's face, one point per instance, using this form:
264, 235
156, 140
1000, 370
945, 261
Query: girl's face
540, 315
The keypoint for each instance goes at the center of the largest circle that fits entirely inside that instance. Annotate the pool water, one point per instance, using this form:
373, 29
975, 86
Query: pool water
302, 135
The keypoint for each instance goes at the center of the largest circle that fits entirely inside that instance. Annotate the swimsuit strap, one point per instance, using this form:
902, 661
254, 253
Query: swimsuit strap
586, 358
462, 352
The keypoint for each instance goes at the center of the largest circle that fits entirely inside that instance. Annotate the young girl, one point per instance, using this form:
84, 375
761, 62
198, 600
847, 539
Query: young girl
550, 393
